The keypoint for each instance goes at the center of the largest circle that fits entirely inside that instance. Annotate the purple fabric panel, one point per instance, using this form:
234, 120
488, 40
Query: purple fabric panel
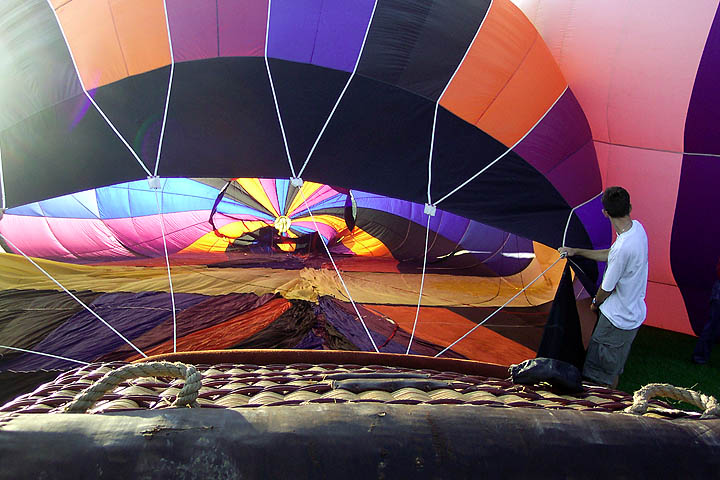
327, 34
310, 342
580, 165
193, 29
340, 33
293, 29
350, 327
206, 313
693, 261
84, 337
597, 226
241, 27
702, 124
696, 218
547, 151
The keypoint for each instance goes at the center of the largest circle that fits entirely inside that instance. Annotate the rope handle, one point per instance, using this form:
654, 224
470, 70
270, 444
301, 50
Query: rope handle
707, 403
186, 396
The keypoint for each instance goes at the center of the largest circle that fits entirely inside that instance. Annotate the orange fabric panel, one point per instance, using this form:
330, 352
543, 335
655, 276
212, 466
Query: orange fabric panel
228, 333
90, 31
142, 33
503, 41
508, 80
535, 87
442, 327
112, 39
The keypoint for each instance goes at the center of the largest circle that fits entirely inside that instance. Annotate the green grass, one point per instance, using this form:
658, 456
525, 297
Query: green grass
661, 356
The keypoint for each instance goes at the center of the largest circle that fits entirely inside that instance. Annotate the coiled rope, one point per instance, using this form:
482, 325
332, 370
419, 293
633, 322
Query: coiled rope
186, 396
707, 403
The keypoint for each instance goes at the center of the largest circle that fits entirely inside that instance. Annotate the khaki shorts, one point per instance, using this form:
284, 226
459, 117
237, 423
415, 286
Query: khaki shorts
608, 351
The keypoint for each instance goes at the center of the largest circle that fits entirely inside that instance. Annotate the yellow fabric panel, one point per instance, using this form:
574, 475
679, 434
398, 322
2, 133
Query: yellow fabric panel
256, 190
306, 284
358, 241
307, 189
212, 243
17, 272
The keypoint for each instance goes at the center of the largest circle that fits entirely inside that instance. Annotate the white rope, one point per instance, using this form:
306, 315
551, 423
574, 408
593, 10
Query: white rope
641, 397
167, 263
337, 270
501, 307
75, 298
89, 97
167, 99
186, 396
567, 225
502, 155
352, 75
44, 354
272, 87
430, 207
422, 285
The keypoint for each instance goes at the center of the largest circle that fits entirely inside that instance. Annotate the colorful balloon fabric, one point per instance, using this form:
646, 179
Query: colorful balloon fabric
369, 114
646, 75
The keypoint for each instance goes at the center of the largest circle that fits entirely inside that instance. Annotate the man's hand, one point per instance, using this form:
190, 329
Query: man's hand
594, 307
571, 252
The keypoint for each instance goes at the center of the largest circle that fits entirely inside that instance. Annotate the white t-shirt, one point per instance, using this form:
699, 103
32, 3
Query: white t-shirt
626, 277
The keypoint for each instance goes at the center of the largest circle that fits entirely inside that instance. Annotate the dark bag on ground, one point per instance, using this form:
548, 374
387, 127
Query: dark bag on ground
559, 374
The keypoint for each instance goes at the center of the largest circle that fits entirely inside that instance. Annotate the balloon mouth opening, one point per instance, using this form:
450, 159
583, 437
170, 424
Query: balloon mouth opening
282, 224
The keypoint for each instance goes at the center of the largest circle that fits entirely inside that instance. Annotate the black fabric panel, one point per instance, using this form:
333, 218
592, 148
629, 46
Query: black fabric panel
562, 338
378, 141
511, 194
523, 325
306, 96
45, 156
222, 123
237, 193
36, 68
418, 45
28, 316
286, 331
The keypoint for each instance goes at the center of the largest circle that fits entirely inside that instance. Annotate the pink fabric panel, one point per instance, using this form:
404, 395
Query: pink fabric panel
241, 27
637, 87
652, 179
666, 308
320, 195
181, 229
268, 185
61, 238
193, 29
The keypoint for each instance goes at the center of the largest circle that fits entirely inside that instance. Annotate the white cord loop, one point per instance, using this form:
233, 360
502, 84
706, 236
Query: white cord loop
186, 396
707, 403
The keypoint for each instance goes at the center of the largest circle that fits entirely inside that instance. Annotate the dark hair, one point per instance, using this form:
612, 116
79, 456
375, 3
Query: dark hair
616, 202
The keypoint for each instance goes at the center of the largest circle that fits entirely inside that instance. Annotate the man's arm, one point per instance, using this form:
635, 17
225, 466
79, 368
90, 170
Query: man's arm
601, 296
597, 255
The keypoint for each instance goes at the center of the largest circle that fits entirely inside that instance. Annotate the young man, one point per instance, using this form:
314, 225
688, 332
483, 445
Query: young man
621, 296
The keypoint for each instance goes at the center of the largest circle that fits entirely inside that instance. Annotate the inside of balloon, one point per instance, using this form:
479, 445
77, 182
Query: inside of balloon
263, 263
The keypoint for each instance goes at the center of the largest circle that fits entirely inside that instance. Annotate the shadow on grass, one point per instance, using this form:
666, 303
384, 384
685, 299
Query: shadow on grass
661, 356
